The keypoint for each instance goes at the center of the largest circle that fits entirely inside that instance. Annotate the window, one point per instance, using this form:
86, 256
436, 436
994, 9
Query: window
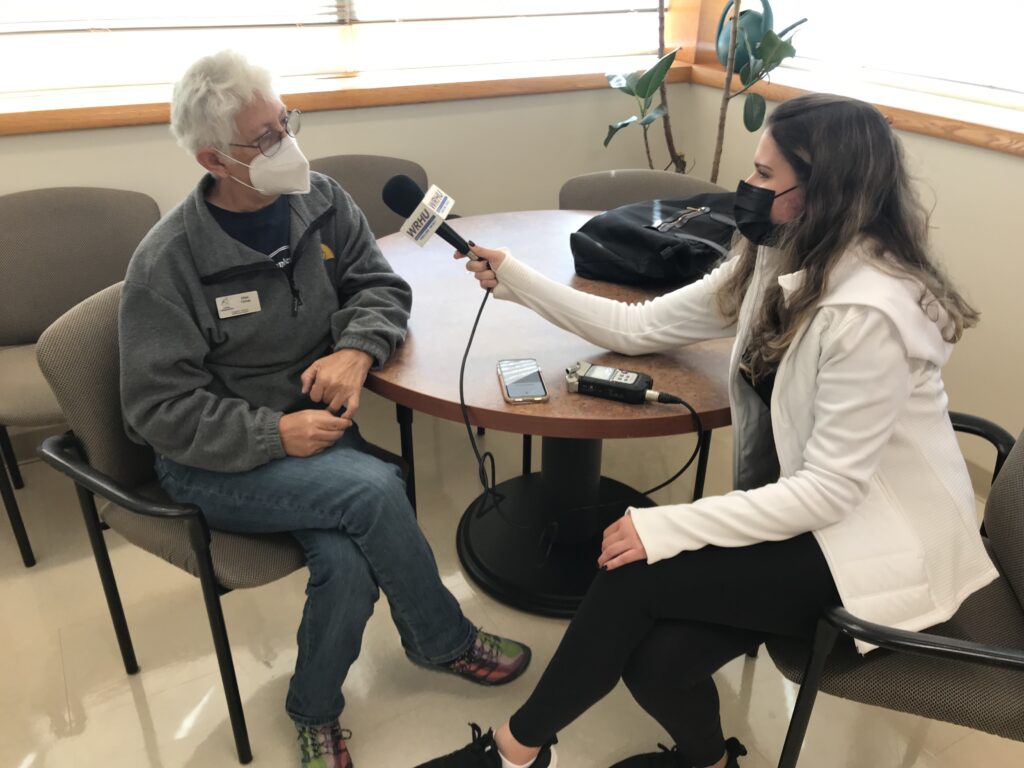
931, 46
54, 45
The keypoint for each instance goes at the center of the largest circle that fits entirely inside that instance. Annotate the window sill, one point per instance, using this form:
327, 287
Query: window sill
111, 107
996, 128
992, 128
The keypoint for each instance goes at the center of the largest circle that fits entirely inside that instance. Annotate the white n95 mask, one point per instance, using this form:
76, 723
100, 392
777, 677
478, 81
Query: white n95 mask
286, 173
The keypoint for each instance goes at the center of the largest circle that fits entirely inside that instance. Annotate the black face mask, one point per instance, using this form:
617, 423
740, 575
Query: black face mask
752, 211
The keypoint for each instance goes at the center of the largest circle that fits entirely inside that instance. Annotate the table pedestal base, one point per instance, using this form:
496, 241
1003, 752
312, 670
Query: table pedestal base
536, 548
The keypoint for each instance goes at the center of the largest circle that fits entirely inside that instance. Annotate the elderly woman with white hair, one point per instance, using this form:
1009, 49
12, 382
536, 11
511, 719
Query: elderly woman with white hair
250, 316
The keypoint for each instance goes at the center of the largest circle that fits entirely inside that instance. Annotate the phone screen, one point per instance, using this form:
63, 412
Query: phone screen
522, 378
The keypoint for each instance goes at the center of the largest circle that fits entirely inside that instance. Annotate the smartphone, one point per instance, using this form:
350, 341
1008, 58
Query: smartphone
521, 381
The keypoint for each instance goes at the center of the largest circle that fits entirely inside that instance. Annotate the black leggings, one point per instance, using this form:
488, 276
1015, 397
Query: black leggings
665, 628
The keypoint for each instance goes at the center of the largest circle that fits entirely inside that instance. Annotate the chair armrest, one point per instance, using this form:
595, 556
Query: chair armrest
1000, 439
64, 453
924, 643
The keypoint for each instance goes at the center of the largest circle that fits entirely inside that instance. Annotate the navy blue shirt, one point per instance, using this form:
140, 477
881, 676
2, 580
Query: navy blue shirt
267, 230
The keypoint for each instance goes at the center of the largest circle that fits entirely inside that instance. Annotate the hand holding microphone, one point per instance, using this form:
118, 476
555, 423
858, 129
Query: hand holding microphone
487, 261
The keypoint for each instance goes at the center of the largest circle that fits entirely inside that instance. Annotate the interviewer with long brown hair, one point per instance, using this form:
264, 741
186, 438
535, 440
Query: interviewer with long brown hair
850, 486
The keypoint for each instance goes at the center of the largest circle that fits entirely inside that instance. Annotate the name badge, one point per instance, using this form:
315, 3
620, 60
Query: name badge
238, 304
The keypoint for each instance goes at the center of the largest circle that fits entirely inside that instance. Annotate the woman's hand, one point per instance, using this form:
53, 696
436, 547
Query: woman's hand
483, 270
621, 545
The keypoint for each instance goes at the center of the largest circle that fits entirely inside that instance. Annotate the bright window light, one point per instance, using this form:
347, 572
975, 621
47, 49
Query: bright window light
926, 45
67, 44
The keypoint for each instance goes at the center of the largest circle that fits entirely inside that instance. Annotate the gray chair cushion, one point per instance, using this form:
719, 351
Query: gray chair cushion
364, 177
604, 190
25, 397
239, 562
60, 245
1004, 518
980, 697
78, 354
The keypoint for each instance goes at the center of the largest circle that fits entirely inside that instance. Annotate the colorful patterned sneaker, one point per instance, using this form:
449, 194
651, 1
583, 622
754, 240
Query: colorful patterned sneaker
670, 758
323, 746
482, 752
491, 660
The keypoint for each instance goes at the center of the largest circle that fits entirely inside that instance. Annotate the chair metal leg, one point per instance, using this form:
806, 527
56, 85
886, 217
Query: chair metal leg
404, 416
824, 640
102, 558
9, 458
702, 463
527, 454
211, 595
17, 524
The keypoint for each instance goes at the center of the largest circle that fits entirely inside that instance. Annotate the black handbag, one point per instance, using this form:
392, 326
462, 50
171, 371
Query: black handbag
656, 242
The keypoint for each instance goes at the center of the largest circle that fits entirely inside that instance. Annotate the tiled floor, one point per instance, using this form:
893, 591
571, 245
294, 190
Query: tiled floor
65, 701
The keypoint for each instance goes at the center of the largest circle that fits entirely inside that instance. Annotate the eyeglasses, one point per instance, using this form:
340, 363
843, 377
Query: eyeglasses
269, 142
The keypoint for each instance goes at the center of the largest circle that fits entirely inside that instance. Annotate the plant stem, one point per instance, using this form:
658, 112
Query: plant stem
676, 159
647, 147
729, 68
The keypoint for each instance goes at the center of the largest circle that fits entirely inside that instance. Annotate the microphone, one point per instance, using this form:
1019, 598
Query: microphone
424, 213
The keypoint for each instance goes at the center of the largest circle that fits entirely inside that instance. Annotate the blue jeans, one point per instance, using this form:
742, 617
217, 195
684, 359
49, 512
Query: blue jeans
349, 512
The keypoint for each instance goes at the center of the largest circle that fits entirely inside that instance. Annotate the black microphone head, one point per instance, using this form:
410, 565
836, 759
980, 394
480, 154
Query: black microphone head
401, 194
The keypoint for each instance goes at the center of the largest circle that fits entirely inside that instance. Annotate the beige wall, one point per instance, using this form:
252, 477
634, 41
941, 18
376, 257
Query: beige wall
513, 153
490, 154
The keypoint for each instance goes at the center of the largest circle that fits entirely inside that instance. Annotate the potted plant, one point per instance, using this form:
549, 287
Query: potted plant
748, 45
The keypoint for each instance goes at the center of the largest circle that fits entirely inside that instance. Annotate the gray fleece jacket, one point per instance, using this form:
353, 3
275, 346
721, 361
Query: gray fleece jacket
208, 391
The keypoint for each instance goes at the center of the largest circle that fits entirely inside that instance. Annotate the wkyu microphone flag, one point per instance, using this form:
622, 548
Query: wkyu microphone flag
429, 215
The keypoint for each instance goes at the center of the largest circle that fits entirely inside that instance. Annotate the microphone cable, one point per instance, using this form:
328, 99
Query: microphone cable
485, 460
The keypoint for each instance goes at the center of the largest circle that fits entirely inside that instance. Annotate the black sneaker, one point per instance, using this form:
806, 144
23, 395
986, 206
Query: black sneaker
670, 758
482, 752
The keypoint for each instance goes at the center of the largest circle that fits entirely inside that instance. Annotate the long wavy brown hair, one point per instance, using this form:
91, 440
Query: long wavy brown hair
851, 168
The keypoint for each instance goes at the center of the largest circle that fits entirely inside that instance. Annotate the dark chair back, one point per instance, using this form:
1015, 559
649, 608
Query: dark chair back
364, 177
604, 190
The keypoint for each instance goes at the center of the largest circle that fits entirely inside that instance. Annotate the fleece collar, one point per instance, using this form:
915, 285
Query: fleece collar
215, 251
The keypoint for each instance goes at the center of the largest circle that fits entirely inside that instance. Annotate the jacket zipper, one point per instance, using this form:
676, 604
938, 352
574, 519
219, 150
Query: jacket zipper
244, 269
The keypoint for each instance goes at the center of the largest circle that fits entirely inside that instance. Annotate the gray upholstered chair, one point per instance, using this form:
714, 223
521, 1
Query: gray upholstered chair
78, 355
968, 670
57, 246
604, 190
363, 177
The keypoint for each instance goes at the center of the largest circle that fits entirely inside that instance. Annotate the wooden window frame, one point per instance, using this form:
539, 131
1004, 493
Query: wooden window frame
690, 26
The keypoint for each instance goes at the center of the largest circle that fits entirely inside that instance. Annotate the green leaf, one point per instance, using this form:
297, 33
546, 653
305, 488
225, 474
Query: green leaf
747, 74
653, 115
773, 50
650, 81
647, 103
753, 111
616, 127
619, 82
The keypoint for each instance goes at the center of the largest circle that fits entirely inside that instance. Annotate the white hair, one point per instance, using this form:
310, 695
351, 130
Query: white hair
209, 96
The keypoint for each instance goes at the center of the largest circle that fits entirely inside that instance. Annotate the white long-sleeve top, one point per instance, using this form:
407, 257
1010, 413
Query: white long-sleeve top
868, 460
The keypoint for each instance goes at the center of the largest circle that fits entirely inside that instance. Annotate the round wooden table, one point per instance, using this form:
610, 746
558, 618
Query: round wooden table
536, 547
